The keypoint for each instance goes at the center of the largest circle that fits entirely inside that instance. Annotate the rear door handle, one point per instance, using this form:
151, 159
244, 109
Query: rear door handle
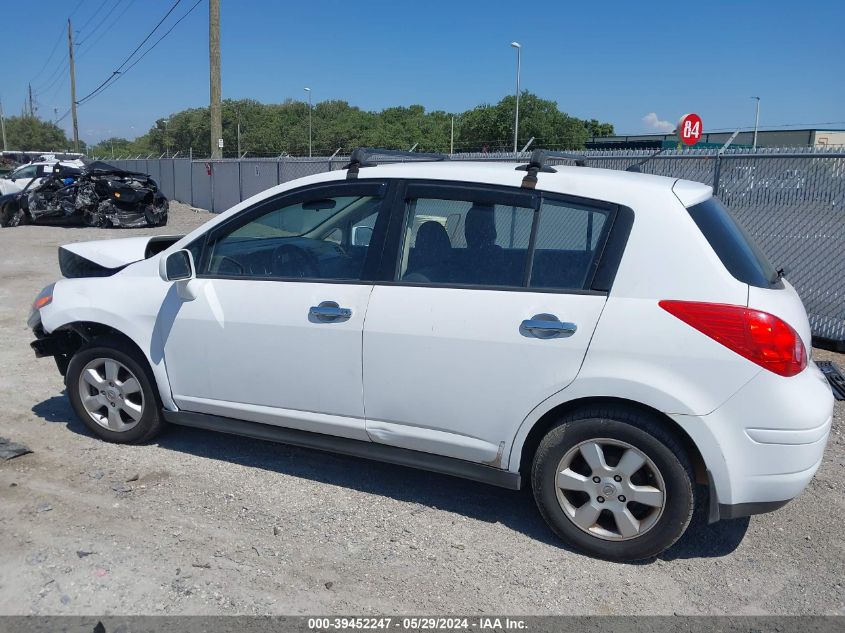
329, 312
546, 326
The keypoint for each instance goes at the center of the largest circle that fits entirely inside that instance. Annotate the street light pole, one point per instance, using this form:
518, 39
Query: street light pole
166, 138
518, 48
308, 90
756, 121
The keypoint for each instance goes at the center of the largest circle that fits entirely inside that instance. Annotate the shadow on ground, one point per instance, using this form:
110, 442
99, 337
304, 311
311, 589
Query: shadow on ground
516, 510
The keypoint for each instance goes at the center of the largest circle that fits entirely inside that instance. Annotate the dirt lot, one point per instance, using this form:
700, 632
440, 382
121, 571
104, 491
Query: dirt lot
198, 523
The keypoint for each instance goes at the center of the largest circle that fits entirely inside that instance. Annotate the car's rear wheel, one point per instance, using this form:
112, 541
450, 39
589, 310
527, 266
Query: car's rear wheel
112, 391
614, 483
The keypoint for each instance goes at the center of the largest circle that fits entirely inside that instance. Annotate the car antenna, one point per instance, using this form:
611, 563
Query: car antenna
537, 163
636, 166
362, 157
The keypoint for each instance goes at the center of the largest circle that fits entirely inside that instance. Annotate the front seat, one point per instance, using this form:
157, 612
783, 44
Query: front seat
485, 258
431, 252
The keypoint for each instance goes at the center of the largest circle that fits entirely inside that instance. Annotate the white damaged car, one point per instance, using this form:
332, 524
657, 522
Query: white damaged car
610, 339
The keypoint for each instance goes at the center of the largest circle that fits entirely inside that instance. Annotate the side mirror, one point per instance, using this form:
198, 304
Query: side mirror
177, 266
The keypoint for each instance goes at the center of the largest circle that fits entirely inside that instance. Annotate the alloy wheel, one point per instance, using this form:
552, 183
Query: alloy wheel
610, 489
111, 394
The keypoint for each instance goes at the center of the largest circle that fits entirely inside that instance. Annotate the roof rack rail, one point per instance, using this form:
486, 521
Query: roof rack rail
361, 157
537, 163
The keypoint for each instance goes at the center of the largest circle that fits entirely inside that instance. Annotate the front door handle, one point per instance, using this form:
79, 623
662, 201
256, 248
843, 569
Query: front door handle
329, 312
546, 326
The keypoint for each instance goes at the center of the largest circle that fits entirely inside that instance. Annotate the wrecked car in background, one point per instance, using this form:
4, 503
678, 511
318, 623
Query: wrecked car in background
22, 176
96, 194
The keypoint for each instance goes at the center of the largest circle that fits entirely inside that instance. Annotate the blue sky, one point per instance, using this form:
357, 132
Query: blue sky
614, 61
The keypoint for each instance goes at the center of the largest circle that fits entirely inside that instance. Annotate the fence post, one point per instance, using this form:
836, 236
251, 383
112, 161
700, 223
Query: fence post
717, 173
191, 173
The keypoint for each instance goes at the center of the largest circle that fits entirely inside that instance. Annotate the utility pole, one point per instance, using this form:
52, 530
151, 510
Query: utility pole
214, 71
72, 87
518, 48
756, 121
3, 126
239, 135
308, 90
31, 106
452, 137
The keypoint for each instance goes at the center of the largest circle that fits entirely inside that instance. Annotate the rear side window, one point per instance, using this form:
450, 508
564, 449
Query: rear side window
736, 248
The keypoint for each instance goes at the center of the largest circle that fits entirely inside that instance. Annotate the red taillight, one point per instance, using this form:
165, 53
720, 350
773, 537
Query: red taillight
758, 336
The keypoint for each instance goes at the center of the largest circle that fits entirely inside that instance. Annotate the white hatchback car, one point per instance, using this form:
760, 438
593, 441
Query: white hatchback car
612, 338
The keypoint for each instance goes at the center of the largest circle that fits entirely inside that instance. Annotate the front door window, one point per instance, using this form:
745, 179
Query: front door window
315, 238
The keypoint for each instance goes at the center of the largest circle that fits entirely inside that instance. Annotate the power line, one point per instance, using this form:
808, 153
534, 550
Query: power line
50, 78
100, 23
93, 15
58, 74
117, 75
125, 61
108, 29
78, 6
52, 52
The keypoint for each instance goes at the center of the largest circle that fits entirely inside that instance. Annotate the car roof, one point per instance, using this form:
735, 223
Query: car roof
589, 182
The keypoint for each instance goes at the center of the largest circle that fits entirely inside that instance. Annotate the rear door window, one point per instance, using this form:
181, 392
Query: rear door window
466, 242
568, 240
737, 249
504, 239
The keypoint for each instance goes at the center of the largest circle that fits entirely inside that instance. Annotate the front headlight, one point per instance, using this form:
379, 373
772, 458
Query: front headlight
44, 298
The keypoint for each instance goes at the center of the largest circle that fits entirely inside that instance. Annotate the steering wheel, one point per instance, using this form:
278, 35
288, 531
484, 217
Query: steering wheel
289, 260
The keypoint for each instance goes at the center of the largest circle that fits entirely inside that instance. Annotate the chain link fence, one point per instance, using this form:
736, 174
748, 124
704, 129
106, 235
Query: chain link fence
790, 200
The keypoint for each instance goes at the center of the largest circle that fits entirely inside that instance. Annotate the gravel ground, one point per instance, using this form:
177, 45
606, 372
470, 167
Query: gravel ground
200, 523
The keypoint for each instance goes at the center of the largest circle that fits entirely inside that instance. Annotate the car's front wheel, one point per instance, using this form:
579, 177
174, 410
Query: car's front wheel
111, 390
12, 215
614, 483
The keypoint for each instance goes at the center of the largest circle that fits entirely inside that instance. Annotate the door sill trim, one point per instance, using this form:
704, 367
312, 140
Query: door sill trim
345, 446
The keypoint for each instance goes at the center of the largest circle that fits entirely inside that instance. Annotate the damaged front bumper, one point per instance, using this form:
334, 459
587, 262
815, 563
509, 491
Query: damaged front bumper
108, 213
60, 345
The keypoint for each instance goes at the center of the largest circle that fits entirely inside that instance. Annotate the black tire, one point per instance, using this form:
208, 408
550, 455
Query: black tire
647, 434
155, 216
151, 421
13, 215
93, 218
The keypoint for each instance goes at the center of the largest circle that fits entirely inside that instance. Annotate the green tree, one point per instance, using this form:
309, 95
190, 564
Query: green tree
595, 128
491, 126
29, 133
282, 128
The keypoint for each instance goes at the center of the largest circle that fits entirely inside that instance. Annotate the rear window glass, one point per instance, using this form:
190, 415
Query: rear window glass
736, 248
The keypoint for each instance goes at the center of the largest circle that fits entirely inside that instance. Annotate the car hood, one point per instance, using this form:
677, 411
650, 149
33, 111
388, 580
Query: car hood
106, 257
111, 253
